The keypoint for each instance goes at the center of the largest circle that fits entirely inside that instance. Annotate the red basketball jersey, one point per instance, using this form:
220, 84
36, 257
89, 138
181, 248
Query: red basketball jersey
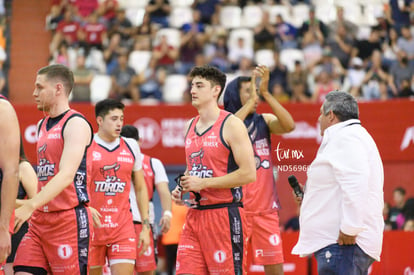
109, 182
49, 152
208, 155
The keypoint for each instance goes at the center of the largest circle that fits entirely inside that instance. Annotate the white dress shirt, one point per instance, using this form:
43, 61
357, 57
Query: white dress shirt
344, 192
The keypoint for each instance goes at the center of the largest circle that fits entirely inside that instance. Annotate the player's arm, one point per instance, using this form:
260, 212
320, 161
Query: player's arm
235, 134
9, 164
77, 136
280, 121
141, 195
28, 178
161, 184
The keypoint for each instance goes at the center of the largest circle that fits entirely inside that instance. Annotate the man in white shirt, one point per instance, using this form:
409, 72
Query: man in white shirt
341, 213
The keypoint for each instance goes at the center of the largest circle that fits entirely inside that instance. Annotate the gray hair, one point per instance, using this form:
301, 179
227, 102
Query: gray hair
342, 104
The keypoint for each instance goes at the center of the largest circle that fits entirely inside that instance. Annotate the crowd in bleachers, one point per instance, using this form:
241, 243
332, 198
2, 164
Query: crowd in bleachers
141, 51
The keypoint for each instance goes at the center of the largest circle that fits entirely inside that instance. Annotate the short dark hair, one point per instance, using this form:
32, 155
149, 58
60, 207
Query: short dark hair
400, 190
212, 74
342, 104
103, 107
130, 131
61, 73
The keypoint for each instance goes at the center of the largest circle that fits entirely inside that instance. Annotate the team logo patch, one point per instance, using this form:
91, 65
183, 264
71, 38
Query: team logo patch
220, 256
148, 252
65, 251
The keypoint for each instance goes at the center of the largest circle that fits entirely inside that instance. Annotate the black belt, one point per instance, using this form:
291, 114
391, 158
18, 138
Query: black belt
219, 205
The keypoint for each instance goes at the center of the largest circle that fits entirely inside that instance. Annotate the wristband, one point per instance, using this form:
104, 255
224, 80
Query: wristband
168, 213
146, 223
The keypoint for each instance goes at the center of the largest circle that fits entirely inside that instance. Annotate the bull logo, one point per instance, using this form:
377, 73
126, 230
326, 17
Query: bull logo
196, 158
109, 172
41, 154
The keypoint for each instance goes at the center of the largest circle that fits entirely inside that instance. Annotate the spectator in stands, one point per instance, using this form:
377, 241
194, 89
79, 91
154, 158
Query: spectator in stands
215, 29
398, 72
406, 43
350, 28
147, 28
191, 44
92, 34
312, 43
264, 33
196, 27
67, 30
83, 77
297, 82
159, 10
313, 25
324, 84
84, 8
364, 48
399, 202
390, 48
122, 25
165, 54
375, 80
241, 50
246, 67
123, 81
400, 12
355, 76
151, 80
409, 225
406, 89
407, 213
279, 93
112, 51
383, 25
207, 9
341, 45
61, 56
278, 74
107, 10
217, 54
286, 34
329, 63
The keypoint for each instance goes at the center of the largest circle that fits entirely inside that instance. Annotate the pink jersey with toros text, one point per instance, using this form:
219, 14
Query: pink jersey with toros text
109, 182
49, 152
209, 156
261, 195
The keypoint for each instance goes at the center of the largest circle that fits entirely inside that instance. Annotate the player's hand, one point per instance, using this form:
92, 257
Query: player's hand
192, 183
144, 239
5, 243
263, 72
344, 239
176, 196
96, 217
165, 224
22, 214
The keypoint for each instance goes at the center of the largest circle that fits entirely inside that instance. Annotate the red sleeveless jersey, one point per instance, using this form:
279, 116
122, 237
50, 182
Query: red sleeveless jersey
148, 175
109, 182
49, 152
209, 156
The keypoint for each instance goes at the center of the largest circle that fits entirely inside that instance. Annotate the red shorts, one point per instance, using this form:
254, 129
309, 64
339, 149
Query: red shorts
264, 244
147, 261
57, 242
213, 242
121, 246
